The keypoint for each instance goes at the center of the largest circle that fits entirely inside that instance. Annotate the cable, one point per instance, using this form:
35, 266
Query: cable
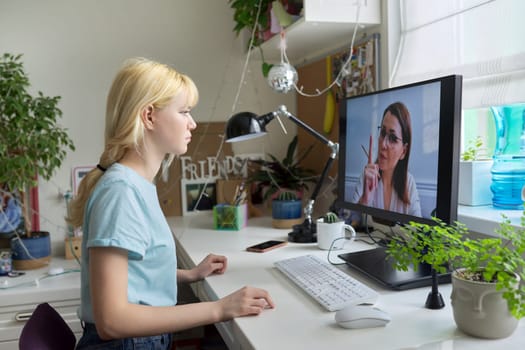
344, 68
331, 248
235, 101
35, 282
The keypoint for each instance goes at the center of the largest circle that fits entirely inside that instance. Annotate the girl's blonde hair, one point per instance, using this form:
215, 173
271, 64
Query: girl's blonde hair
138, 84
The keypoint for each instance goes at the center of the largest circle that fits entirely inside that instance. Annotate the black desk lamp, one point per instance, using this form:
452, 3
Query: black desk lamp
246, 125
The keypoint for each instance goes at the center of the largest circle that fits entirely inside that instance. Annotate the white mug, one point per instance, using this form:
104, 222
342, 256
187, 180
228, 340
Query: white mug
332, 235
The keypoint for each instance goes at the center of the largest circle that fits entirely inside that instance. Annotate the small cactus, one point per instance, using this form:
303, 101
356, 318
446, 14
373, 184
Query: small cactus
330, 218
287, 196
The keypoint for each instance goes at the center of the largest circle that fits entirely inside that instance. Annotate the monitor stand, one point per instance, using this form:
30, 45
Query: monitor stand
377, 265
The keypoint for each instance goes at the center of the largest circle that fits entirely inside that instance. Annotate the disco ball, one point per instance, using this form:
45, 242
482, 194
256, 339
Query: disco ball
282, 77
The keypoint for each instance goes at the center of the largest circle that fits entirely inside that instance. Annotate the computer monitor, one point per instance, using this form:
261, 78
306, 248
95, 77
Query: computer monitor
400, 146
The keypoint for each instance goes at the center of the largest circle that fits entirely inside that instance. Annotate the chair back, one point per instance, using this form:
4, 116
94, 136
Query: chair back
46, 330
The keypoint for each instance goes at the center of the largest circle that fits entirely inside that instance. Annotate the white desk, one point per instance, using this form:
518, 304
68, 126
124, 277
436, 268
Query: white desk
19, 296
298, 322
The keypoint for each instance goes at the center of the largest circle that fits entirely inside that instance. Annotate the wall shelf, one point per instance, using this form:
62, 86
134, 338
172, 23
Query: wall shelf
327, 25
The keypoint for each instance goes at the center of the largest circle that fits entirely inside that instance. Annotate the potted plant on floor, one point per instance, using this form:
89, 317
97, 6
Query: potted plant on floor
32, 144
487, 298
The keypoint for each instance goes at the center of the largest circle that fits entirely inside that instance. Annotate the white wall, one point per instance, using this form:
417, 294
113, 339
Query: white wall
73, 49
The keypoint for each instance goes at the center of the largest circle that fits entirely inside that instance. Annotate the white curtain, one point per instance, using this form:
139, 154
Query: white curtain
483, 40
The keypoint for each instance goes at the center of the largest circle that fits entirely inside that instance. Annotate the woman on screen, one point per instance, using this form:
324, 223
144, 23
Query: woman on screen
386, 183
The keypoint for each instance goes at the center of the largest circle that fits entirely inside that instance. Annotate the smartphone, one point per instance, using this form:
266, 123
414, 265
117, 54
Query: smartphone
266, 246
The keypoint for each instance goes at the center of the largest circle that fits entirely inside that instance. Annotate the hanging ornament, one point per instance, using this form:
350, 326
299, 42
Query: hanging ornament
282, 77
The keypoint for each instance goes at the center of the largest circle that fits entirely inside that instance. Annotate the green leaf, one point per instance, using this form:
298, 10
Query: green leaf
266, 69
32, 140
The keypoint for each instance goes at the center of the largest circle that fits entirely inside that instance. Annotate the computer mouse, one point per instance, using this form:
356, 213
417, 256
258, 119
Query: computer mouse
361, 316
53, 271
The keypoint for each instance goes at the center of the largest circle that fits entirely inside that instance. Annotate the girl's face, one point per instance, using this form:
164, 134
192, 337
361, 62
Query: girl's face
173, 126
391, 147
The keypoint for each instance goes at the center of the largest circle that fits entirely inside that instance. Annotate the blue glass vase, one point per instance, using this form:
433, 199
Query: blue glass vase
508, 169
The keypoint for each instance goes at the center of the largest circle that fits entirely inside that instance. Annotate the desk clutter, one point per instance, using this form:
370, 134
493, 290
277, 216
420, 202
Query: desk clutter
230, 217
232, 214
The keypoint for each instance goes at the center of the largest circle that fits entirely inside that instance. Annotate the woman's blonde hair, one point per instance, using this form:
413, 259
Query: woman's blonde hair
138, 84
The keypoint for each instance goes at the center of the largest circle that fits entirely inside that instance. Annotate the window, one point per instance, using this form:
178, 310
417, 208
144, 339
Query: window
483, 40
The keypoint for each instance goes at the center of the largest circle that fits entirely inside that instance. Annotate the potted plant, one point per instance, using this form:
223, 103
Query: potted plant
474, 175
487, 298
272, 177
331, 231
286, 210
248, 16
32, 144
245, 16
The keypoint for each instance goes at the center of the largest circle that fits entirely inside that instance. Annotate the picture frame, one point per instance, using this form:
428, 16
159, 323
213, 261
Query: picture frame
78, 173
191, 191
11, 214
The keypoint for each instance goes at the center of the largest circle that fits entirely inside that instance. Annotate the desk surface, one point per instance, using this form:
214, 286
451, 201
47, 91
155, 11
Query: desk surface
36, 286
298, 322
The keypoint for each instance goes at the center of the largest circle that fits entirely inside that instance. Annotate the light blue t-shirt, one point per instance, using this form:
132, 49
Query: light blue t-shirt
123, 211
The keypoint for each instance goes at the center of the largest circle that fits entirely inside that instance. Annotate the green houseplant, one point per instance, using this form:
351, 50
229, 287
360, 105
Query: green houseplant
32, 144
330, 218
274, 176
474, 150
247, 15
494, 263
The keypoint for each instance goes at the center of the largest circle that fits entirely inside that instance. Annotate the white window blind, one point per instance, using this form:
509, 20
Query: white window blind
483, 40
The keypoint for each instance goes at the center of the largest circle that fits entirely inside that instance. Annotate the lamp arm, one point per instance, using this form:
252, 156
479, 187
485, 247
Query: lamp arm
309, 207
334, 147
284, 112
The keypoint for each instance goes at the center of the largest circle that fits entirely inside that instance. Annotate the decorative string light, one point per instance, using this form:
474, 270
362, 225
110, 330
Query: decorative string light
283, 75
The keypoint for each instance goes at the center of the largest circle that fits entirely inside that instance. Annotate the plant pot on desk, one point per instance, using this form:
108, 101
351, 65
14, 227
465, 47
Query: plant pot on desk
31, 252
480, 310
286, 213
474, 182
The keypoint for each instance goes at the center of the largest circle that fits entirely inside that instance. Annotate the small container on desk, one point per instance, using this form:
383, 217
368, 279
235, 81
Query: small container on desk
230, 217
73, 247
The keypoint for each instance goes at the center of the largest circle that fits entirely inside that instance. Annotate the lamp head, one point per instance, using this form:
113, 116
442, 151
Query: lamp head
246, 126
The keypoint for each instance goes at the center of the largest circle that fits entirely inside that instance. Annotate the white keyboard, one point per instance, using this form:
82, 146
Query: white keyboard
329, 286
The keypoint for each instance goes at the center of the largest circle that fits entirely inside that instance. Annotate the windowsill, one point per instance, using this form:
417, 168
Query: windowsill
486, 219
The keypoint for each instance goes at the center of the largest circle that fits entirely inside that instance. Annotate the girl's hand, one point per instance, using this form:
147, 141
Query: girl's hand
246, 301
212, 264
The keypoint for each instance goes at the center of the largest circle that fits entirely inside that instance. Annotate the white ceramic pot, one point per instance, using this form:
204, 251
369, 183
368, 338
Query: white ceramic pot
480, 310
474, 182
331, 235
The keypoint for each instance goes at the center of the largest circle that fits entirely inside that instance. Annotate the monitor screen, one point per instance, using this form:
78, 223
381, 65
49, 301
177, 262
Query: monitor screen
399, 152
399, 162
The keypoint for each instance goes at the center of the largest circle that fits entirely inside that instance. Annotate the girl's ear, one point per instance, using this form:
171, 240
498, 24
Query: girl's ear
146, 115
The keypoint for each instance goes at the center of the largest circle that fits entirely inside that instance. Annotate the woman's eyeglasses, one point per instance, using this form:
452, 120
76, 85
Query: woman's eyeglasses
391, 138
